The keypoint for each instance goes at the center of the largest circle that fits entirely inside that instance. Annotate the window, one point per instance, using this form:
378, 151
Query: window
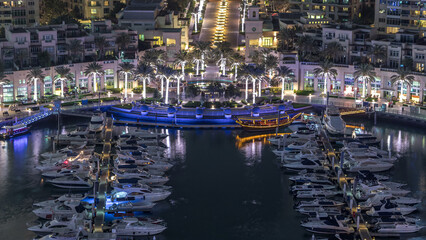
420, 56
142, 37
394, 53
30, 3
267, 42
253, 42
93, 11
20, 21
31, 12
420, 67
92, 3
393, 63
106, 3
158, 40
254, 14
106, 10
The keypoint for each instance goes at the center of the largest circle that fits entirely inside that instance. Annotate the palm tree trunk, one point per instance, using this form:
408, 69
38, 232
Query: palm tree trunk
62, 88
408, 98
35, 89
167, 91
202, 60
162, 87
363, 87
254, 91
325, 85
125, 85
260, 88
246, 96
198, 67
144, 88
236, 72
95, 83
178, 88
282, 89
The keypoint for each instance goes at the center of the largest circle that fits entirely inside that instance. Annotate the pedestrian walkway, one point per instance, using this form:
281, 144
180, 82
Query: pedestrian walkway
103, 180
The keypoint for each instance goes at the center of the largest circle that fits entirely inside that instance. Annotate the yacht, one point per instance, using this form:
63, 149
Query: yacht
61, 199
97, 122
58, 226
397, 228
148, 194
72, 182
143, 134
358, 146
333, 121
330, 226
311, 178
64, 210
130, 206
316, 194
372, 166
320, 202
134, 227
71, 170
330, 211
300, 145
304, 132
72, 138
145, 178
311, 186
305, 164
390, 208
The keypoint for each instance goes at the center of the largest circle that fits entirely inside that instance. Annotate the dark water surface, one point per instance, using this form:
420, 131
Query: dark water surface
223, 187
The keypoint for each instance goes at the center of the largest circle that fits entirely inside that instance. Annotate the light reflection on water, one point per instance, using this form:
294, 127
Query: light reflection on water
226, 186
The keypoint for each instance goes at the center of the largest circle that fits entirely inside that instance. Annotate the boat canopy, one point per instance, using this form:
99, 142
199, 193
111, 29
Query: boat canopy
15, 126
264, 118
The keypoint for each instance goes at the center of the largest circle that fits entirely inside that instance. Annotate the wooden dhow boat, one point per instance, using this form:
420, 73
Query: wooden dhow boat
266, 123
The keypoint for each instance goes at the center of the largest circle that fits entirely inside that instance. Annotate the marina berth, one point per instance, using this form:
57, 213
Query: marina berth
333, 122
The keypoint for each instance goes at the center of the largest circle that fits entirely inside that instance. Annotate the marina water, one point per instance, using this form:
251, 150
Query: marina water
225, 186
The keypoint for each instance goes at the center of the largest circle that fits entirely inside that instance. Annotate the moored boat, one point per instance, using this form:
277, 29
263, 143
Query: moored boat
266, 123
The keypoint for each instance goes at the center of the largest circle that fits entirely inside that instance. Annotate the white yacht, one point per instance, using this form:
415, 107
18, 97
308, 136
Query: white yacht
372, 166
305, 164
64, 210
74, 225
330, 211
144, 178
312, 145
330, 226
320, 202
148, 194
316, 194
72, 182
398, 228
312, 186
97, 122
134, 227
390, 208
143, 134
130, 206
71, 170
61, 199
311, 178
333, 121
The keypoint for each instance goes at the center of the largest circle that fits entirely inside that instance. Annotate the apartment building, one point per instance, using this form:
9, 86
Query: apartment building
22, 47
392, 15
156, 26
92, 9
336, 10
19, 13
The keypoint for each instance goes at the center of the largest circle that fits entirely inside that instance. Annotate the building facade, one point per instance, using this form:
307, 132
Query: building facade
19, 13
92, 9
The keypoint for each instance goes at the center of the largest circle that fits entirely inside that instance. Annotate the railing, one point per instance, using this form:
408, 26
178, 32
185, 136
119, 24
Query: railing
421, 115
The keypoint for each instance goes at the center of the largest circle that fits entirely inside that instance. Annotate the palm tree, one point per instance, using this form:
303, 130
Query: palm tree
287, 39
75, 49
326, 71
306, 48
181, 58
377, 54
34, 75
365, 72
254, 74
126, 69
270, 63
63, 75
236, 59
204, 48
94, 69
154, 57
122, 40
402, 76
143, 73
101, 43
285, 74
197, 60
3, 81
333, 51
166, 73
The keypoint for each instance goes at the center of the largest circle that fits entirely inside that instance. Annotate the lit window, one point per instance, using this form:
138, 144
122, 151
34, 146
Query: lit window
253, 42
93, 11
92, 3
171, 42
267, 42
106, 3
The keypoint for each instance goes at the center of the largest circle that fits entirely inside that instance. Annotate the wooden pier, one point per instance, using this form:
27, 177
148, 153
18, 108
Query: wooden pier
173, 125
103, 179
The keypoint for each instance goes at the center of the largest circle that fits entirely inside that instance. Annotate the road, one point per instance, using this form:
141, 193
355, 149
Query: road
231, 25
